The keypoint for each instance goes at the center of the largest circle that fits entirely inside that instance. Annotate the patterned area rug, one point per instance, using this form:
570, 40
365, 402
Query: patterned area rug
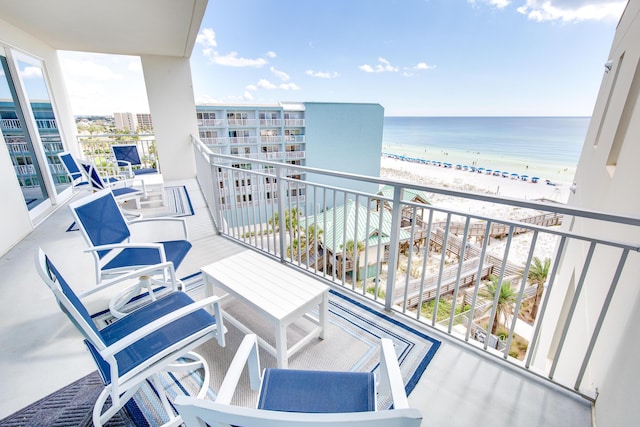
352, 344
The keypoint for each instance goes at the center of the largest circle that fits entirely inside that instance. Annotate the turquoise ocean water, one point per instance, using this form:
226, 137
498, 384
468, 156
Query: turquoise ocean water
538, 140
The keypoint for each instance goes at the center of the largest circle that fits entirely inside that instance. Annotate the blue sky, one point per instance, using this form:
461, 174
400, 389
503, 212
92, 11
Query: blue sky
414, 57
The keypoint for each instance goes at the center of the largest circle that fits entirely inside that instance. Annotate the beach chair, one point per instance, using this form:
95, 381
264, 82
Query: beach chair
290, 397
115, 252
127, 157
122, 189
159, 337
77, 177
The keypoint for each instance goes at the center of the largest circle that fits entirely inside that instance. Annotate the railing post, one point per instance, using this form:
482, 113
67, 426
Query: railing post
394, 246
282, 189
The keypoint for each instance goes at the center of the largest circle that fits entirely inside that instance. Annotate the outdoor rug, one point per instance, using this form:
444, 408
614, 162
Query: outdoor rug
351, 344
177, 200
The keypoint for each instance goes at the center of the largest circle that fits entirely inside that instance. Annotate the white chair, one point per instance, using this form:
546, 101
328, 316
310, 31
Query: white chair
158, 337
109, 236
291, 398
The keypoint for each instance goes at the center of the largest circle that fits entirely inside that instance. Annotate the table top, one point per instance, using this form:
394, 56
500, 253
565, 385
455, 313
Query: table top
271, 287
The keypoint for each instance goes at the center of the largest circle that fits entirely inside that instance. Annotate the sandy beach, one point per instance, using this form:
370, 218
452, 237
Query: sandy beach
452, 178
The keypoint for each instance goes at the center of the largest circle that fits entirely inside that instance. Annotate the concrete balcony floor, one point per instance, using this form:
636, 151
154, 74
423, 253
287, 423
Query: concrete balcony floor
42, 352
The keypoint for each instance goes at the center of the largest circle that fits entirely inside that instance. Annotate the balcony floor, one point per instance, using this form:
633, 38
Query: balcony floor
42, 352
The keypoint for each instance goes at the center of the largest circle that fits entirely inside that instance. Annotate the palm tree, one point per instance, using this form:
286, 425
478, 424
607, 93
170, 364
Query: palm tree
538, 273
506, 299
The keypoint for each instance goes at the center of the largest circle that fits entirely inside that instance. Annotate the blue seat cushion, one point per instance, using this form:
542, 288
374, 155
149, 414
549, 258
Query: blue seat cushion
291, 390
157, 341
144, 171
175, 250
122, 191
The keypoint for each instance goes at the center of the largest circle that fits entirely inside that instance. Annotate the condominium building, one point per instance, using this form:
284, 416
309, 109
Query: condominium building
144, 122
126, 121
345, 137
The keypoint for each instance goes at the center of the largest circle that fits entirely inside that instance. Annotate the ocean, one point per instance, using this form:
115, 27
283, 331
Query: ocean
552, 141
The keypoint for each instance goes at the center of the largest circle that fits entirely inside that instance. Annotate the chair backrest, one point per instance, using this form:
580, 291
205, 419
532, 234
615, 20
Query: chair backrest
67, 299
70, 165
126, 154
92, 175
100, 219
196, 412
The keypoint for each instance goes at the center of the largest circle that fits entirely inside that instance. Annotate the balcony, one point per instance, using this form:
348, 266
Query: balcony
474, 376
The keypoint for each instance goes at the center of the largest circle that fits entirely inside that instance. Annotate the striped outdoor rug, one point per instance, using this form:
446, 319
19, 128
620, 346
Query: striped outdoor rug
352, 344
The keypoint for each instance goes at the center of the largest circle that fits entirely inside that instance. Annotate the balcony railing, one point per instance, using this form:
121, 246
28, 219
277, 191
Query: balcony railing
440, 265
97, 149
294, 122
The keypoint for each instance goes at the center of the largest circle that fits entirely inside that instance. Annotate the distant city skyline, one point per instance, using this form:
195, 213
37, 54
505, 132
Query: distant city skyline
415, 58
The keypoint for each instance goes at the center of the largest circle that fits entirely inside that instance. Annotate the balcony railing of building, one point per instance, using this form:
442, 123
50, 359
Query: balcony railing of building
97, 149
212, 122
274, 139
242, 122
243, 140
270, 122
294, 123
10, 124
294, 138
462, 272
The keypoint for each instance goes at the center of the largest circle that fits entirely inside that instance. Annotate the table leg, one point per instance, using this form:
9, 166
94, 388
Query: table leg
323, 314
281, 346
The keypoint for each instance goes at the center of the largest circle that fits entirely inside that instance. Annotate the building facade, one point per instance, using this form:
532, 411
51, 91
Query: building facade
300, 134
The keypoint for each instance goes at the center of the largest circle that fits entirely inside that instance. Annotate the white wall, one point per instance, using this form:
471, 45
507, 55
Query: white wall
173, 111
606, 182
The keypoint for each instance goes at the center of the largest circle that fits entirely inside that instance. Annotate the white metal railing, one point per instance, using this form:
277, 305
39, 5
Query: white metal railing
271, 122
294, 122
97, 149
294, 138
433, 264
220, 140
10, 124
243, 140
271, 139
212, 122
242, 122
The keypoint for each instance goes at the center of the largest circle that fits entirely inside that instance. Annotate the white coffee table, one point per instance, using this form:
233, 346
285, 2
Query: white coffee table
277, 293
153, 186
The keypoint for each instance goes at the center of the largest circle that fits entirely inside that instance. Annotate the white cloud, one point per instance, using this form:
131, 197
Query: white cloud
89, 68
266, 84
500, 4
423, 66
573, 10
135, 66
207, 38
322, 74
382, 66
31, 72
280, 74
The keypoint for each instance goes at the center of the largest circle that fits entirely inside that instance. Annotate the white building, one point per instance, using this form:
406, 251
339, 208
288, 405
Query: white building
126, 121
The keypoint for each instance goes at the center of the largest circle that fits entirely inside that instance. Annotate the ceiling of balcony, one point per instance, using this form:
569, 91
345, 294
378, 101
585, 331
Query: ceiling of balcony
151, 27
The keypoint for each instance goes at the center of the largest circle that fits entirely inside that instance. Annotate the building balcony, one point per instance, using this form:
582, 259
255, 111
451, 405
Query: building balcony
475, 375
270, 122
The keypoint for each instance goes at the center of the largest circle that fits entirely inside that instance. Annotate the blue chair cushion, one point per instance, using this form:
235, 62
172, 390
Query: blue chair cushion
117, 192
157, 341
291, 390
175, 250
144, 171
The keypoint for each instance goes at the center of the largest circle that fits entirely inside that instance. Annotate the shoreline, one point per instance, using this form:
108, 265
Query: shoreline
557, 173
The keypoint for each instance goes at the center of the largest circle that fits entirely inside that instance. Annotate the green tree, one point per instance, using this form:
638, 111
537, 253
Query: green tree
538, 273
507, 296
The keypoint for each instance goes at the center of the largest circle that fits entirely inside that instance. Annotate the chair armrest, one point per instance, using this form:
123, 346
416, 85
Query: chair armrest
129, 245
159, 323
390, 375
247, 354
135, 274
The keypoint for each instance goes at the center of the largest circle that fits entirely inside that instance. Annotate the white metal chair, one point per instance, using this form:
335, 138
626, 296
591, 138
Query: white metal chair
291, 398
77, 177
127, 157
155, 338
109, 236
123, 189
